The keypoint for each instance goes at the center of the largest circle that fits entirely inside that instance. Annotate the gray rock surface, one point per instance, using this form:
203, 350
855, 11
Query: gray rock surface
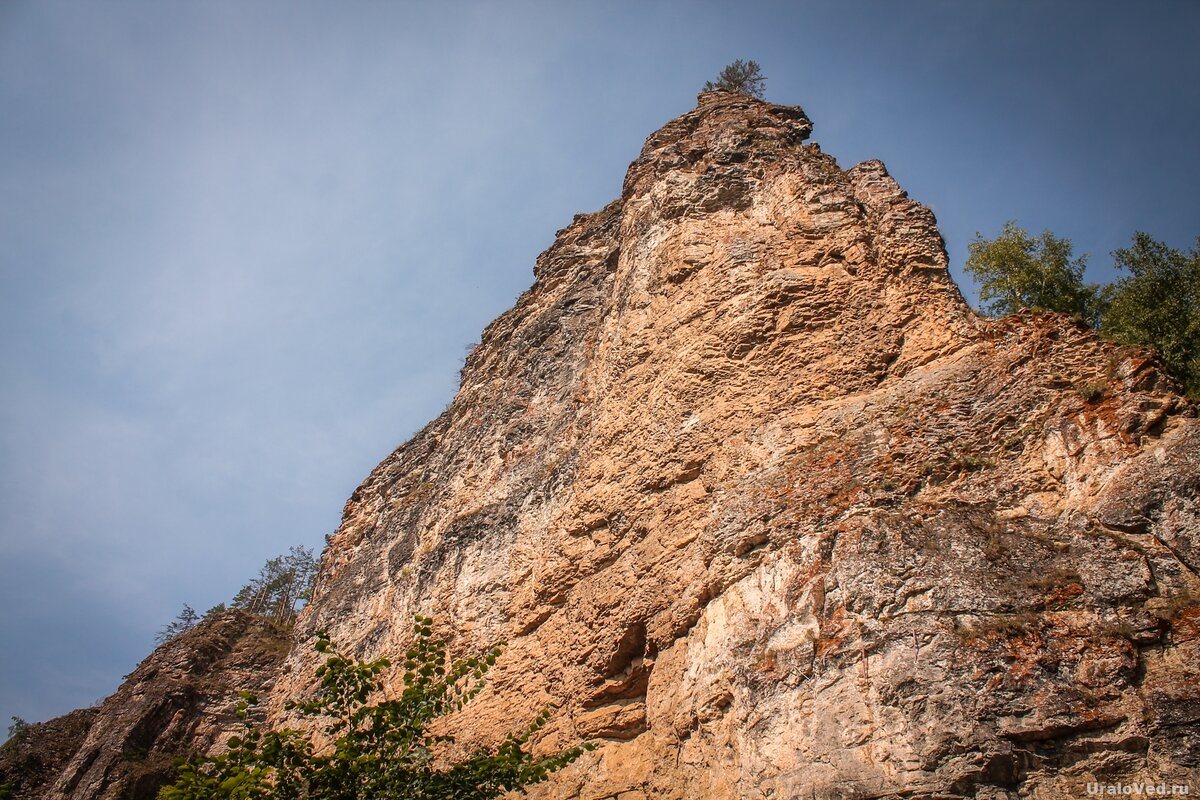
178, 702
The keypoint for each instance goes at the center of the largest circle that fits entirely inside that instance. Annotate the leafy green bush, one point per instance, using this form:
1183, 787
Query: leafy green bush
1156, 304
1016, 270
378, 751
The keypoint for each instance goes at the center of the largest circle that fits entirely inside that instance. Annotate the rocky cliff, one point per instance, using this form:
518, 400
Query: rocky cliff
770, 512
756, 498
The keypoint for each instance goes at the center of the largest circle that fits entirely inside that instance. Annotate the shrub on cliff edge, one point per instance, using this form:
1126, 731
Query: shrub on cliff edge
1158, 304
1017, 270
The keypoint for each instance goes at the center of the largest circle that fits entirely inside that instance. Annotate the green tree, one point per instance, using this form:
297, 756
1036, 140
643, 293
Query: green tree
1017, 270
17, 728
744, 77
374, 751
186, 620
282, 584
1158, 304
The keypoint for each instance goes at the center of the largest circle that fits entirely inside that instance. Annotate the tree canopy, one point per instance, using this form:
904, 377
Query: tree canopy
281, 585
1158, 304
744, 77
1017, 270
277, 593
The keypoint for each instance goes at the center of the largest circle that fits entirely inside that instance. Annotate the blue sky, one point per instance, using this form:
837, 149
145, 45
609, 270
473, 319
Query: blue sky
245, 244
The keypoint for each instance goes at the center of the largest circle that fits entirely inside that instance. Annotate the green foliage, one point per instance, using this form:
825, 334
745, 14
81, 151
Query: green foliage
282, 584
186, 620
1158, 304
1016, 270
18, 727
377, 751
743, 77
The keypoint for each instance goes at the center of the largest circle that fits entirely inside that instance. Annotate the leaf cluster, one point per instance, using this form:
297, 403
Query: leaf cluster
382, 750
1158, 304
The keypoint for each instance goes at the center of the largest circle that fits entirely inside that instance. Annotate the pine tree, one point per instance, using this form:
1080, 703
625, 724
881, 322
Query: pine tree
743, 77
186, 620
18, 727
281, 586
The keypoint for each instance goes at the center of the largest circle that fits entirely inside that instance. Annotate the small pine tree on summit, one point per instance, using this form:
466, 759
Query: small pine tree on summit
743, 77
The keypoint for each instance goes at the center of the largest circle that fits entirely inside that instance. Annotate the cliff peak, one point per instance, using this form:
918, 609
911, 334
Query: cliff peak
726, 129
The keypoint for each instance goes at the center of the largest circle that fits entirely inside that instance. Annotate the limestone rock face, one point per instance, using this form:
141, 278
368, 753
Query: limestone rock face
179, 701
756, 498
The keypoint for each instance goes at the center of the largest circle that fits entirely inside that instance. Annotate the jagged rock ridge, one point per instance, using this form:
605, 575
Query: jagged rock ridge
770, 512
33, 758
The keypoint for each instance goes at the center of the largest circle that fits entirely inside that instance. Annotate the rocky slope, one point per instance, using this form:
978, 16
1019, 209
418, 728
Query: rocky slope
180, 700
34, 758
756, 498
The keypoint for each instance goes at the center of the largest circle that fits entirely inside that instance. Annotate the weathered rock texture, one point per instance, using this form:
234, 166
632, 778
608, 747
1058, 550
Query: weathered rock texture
179, 701
770, 512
